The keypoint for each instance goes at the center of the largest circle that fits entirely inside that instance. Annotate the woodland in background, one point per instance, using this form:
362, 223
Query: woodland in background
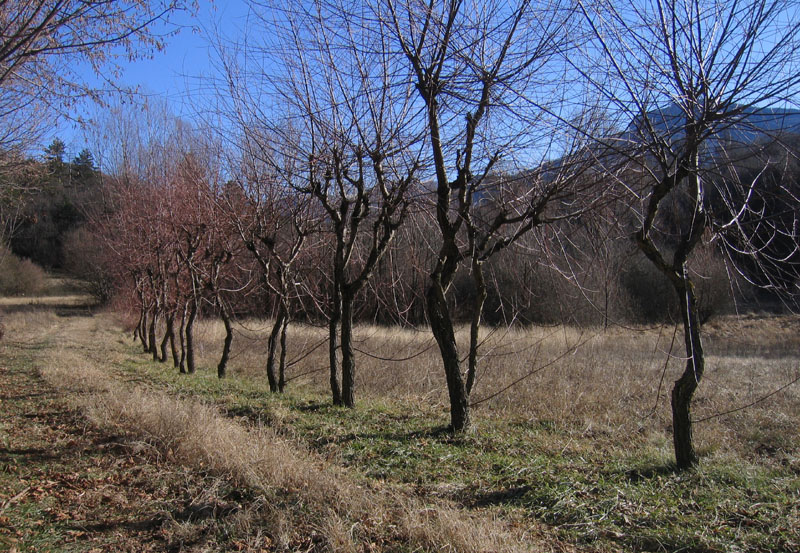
603, 281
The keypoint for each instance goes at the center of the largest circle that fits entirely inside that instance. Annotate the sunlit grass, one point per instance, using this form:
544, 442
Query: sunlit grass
578, 450
587, 381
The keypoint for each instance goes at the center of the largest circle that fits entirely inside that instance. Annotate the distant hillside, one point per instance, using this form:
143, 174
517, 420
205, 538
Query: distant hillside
752, 125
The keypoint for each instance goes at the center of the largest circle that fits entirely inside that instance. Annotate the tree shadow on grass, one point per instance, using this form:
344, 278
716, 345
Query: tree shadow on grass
507, 496
651, 471
26, 396
313, 406
439, 433
24, 455
73, 311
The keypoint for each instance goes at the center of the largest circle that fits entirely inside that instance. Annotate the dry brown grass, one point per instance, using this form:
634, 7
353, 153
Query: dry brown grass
301, 493
600, 386
598, 383
51, 291
23, 301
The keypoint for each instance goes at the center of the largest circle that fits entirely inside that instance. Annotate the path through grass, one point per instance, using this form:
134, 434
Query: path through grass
395, 480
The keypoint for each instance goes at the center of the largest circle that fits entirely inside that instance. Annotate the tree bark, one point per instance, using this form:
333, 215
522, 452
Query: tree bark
162, 358
172, 346
282, 365
182, 334
685, 386
348, 360
272, 346
189, 331
143, 331
475, 326
442, 328
226, 347
137, 332
333, 345
151, 336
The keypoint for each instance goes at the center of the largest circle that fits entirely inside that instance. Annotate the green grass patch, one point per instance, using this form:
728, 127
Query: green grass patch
611, 491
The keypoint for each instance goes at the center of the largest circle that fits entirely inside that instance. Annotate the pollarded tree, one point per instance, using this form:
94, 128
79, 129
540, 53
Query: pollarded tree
273, 222
343, 115
166, 226
221, 246
490, 82
199, 251
133, 247
348, 199
694, 80
208, 245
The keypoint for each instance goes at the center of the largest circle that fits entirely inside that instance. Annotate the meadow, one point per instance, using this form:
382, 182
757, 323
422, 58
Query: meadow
585, 381
571, 449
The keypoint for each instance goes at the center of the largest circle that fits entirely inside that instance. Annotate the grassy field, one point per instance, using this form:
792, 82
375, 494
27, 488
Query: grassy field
586, 382
574, 457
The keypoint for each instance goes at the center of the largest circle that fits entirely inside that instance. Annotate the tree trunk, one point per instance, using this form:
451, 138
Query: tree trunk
137, 332
167, 336
172, 345
189, 331
271, 349
442, 328
182, 334
606, 295
333, 346
475, 326
143, 330
282, 365
685, 386
226, 347
348, 360
151, 335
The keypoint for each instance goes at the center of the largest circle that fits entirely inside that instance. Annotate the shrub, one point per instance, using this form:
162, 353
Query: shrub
19, 277
647, 292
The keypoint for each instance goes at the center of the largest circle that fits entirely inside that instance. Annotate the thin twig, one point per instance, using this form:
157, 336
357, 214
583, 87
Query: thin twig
17, 497
751, 404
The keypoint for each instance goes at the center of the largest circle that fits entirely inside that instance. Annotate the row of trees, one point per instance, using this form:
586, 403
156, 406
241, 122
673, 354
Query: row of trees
472, 128
477, 126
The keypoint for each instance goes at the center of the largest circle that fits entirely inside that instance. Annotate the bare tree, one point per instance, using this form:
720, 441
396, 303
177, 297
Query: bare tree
693, 80
342, 114
45, 42
273, 222
488, 77
166, 229
220, 244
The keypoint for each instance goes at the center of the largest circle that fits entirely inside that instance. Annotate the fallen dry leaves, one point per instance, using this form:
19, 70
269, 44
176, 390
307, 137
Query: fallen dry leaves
63, 482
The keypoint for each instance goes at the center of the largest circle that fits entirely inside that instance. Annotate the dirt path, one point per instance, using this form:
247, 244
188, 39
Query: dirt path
65, 486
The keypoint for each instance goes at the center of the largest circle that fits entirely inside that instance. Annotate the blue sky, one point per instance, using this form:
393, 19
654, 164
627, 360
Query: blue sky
177, 72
